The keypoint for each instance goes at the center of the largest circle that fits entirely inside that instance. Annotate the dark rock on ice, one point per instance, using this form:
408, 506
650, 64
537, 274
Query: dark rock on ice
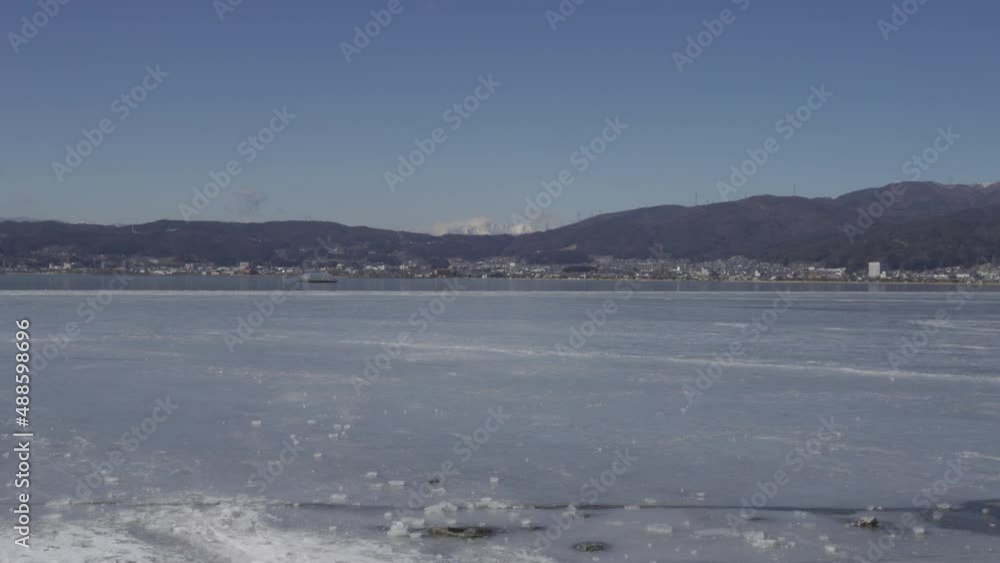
865, 522
591, 546
468, 533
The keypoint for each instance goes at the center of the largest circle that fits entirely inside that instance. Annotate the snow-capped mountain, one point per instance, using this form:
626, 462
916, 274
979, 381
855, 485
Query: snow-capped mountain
476, 226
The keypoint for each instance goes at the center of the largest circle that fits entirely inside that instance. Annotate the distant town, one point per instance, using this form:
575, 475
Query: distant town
730, 269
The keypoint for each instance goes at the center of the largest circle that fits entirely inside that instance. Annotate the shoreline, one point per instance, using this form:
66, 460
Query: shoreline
519, 279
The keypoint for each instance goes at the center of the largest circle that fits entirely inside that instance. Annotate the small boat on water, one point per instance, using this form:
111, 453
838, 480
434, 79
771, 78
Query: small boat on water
317, 277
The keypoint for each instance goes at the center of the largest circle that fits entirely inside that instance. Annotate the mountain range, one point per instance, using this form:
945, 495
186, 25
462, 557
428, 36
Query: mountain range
913, 225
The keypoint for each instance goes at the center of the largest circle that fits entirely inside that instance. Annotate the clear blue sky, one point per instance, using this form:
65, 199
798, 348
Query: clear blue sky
353, 120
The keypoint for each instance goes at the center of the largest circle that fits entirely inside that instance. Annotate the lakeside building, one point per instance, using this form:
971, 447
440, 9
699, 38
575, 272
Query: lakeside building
874, 270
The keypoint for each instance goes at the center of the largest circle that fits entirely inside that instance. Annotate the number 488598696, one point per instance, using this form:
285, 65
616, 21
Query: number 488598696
22, 370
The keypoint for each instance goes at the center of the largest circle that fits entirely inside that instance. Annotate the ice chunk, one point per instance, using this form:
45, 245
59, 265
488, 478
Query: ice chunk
661, 529
440, 508
759, 540
398, 530
716, 533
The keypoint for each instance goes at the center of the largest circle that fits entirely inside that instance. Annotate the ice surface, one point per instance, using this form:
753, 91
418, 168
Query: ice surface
479, 420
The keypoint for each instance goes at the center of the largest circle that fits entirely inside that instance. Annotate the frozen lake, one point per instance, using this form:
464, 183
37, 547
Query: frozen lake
344, 426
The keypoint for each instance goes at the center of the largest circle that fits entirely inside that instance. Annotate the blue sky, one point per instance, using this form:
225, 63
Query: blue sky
353, 120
